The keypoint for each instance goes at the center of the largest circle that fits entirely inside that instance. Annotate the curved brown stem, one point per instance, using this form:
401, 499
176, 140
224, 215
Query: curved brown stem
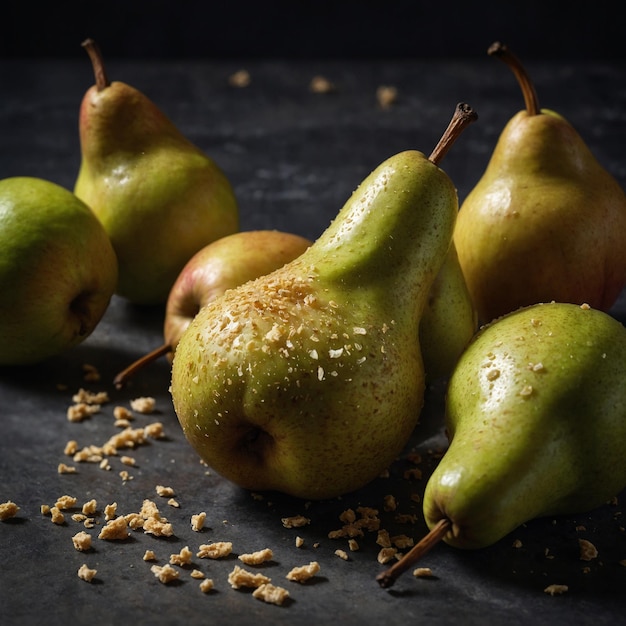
389, 576
122, 378
531, 100
102, 80
463, 116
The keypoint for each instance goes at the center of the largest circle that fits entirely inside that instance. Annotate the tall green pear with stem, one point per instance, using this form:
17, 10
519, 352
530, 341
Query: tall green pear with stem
309, 380
536, 418
546, 221
160, 197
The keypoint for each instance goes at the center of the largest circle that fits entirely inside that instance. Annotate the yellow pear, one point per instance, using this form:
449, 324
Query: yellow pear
546, 221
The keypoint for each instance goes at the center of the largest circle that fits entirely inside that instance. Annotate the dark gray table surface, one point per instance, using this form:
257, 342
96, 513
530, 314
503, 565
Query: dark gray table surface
293, 157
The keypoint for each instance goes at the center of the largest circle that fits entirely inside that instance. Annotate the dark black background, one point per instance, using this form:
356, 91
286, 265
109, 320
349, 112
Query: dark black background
324, 29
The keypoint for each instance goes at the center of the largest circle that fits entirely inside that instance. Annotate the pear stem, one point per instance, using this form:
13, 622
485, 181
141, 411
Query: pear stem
389, 576
531, 100
463, 116
122, 378
102, 80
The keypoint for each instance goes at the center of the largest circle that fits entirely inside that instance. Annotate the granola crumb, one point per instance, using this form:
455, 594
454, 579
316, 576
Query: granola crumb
588, 551
125, 476
66, 502
115, 530
423, 572
165, 491
386, 96
390, 503
86, 573
45, 509
517, 543
353, 544
90, 507
216, 550
342, 554
383, 539
166, 573
144, 405
63, 468
197, 521
240, 577
153, 522
272, 594
80, 411
197, 574
89, 397
173, 503
386, 554
110, 511
121, 413
295, 521
128, 460
182, 558
321, 84
554, 590
82, 541
206, 585
240, 78
8, 509
402, 541
258, 557
299, 542
71, 448
304, 572
154, 430
56, 516
158, 527
149, 555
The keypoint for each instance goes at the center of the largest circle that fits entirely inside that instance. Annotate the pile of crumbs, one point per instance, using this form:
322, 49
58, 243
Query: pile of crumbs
355, 524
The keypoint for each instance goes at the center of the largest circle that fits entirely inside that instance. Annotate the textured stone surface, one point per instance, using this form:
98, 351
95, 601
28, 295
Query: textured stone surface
294, 157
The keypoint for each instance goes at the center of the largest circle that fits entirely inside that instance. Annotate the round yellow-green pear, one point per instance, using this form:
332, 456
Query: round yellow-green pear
536, 417
58, 270
536, 421
221, 265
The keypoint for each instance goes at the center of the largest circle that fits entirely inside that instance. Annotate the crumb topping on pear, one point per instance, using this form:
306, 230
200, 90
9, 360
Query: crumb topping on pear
283, 316
310, 380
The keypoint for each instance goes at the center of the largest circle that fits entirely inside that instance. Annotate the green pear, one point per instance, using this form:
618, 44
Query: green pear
221, 265
309, 380
546, 221
58, 270
536, 419
449, 320
160, 198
